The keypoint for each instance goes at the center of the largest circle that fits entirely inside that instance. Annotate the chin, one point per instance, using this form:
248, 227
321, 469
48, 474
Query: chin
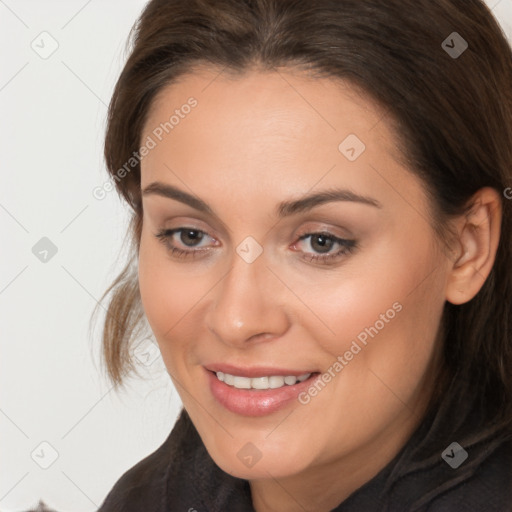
272, 467
251, 463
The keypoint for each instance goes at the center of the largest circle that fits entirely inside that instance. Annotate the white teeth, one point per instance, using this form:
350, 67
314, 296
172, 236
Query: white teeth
242, 383
259, 383
273, 382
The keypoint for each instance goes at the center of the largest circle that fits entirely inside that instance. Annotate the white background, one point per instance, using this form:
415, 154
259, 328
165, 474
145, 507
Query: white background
52, 119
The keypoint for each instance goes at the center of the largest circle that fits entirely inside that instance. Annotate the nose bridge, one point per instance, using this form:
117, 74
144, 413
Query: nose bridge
245, 304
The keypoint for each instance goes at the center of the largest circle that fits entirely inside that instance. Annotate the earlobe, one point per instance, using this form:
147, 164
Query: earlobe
478, 236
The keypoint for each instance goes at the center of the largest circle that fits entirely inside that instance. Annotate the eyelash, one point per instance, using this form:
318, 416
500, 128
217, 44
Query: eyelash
347, 246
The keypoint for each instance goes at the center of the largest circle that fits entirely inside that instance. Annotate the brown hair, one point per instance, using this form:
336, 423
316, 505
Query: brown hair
453, 116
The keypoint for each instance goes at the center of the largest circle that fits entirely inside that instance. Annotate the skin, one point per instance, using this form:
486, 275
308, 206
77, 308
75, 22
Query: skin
254, 141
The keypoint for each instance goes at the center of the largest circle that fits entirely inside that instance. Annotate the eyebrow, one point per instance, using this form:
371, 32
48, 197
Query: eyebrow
284, 209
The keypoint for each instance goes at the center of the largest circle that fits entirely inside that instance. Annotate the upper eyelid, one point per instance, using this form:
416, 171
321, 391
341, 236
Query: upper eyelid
218, 225
171, 232
307, 234
321, 225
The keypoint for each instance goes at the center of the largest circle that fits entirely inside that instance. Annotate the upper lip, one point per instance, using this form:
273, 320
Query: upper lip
255, 371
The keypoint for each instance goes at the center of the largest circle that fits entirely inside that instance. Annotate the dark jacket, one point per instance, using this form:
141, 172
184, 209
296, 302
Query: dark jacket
181, 476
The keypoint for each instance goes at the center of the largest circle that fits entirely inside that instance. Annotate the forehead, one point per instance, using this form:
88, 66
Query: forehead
289, 101
283, 130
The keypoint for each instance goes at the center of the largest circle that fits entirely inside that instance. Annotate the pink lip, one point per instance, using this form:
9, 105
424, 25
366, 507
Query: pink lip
257, 402
255, 371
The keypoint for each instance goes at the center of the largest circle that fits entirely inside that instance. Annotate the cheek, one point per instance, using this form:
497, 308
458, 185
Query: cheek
365, 295
388, 313
167, 296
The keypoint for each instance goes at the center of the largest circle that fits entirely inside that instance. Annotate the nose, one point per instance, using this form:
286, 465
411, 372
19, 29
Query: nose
247, 304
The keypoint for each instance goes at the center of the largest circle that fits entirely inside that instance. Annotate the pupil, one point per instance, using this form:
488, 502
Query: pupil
190, 236
325, 243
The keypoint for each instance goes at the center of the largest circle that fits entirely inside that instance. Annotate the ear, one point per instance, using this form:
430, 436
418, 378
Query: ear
478, 236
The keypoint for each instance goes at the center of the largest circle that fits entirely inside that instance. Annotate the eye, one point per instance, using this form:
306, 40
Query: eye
323, 244
183, 242
187, 242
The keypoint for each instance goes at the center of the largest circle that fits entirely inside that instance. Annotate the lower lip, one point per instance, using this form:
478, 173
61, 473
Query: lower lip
256, 402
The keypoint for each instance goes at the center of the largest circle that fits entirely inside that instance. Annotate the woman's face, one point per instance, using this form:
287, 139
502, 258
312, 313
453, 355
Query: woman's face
256, 279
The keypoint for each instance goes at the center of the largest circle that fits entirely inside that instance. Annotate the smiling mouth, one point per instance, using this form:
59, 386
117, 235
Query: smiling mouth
261, 383
261, 391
